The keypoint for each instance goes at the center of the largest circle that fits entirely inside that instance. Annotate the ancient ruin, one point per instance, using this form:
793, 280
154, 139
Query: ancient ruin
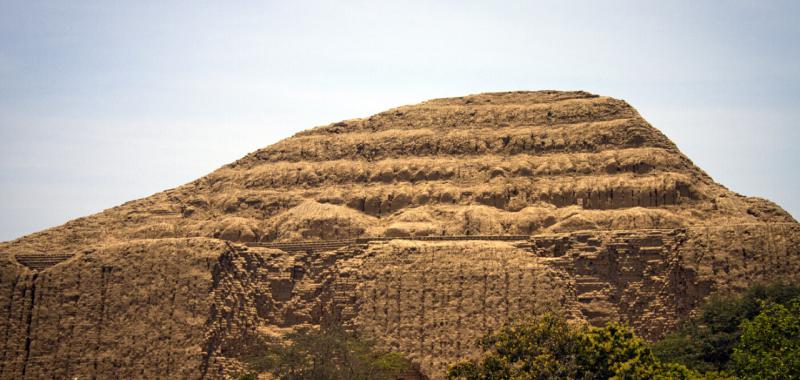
424, 226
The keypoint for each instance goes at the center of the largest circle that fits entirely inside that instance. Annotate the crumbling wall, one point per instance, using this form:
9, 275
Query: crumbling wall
260, 290
433, 299
16, 300
734, 257
184, 308
134, 310
651, 279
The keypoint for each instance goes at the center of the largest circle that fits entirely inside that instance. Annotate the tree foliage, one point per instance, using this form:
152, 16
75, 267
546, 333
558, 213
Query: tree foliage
755, 335
769, 347
324, 354
549, 347
705, 342
544, 347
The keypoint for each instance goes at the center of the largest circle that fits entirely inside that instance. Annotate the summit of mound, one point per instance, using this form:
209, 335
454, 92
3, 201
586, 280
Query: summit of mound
494, 163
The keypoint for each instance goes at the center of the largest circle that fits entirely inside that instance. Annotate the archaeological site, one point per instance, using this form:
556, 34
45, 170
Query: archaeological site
424, 226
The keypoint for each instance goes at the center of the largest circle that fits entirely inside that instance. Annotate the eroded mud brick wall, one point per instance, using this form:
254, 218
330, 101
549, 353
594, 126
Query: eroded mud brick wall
432, 299
183, 307
734, 257
136, 310
618, 275
270, 291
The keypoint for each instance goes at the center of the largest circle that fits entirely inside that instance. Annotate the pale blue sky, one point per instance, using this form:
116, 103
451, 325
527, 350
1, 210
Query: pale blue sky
104, 102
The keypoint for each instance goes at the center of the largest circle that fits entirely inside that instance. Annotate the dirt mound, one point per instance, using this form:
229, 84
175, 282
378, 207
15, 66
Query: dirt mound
424, 225
509, 151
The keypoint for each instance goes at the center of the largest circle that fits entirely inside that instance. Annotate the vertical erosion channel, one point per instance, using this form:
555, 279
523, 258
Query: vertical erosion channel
28, 323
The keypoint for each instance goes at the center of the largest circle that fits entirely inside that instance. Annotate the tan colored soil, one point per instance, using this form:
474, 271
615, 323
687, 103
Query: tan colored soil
424, 225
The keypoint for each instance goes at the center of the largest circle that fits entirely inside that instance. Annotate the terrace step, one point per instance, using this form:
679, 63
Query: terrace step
41, 261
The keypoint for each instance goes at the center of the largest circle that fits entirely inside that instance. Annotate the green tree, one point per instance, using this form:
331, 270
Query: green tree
614, 351
705, 342
542, 348
769, 347
548, 347
324, 354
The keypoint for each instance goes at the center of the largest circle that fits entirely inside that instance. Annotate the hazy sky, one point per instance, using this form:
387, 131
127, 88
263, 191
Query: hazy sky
104, 102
